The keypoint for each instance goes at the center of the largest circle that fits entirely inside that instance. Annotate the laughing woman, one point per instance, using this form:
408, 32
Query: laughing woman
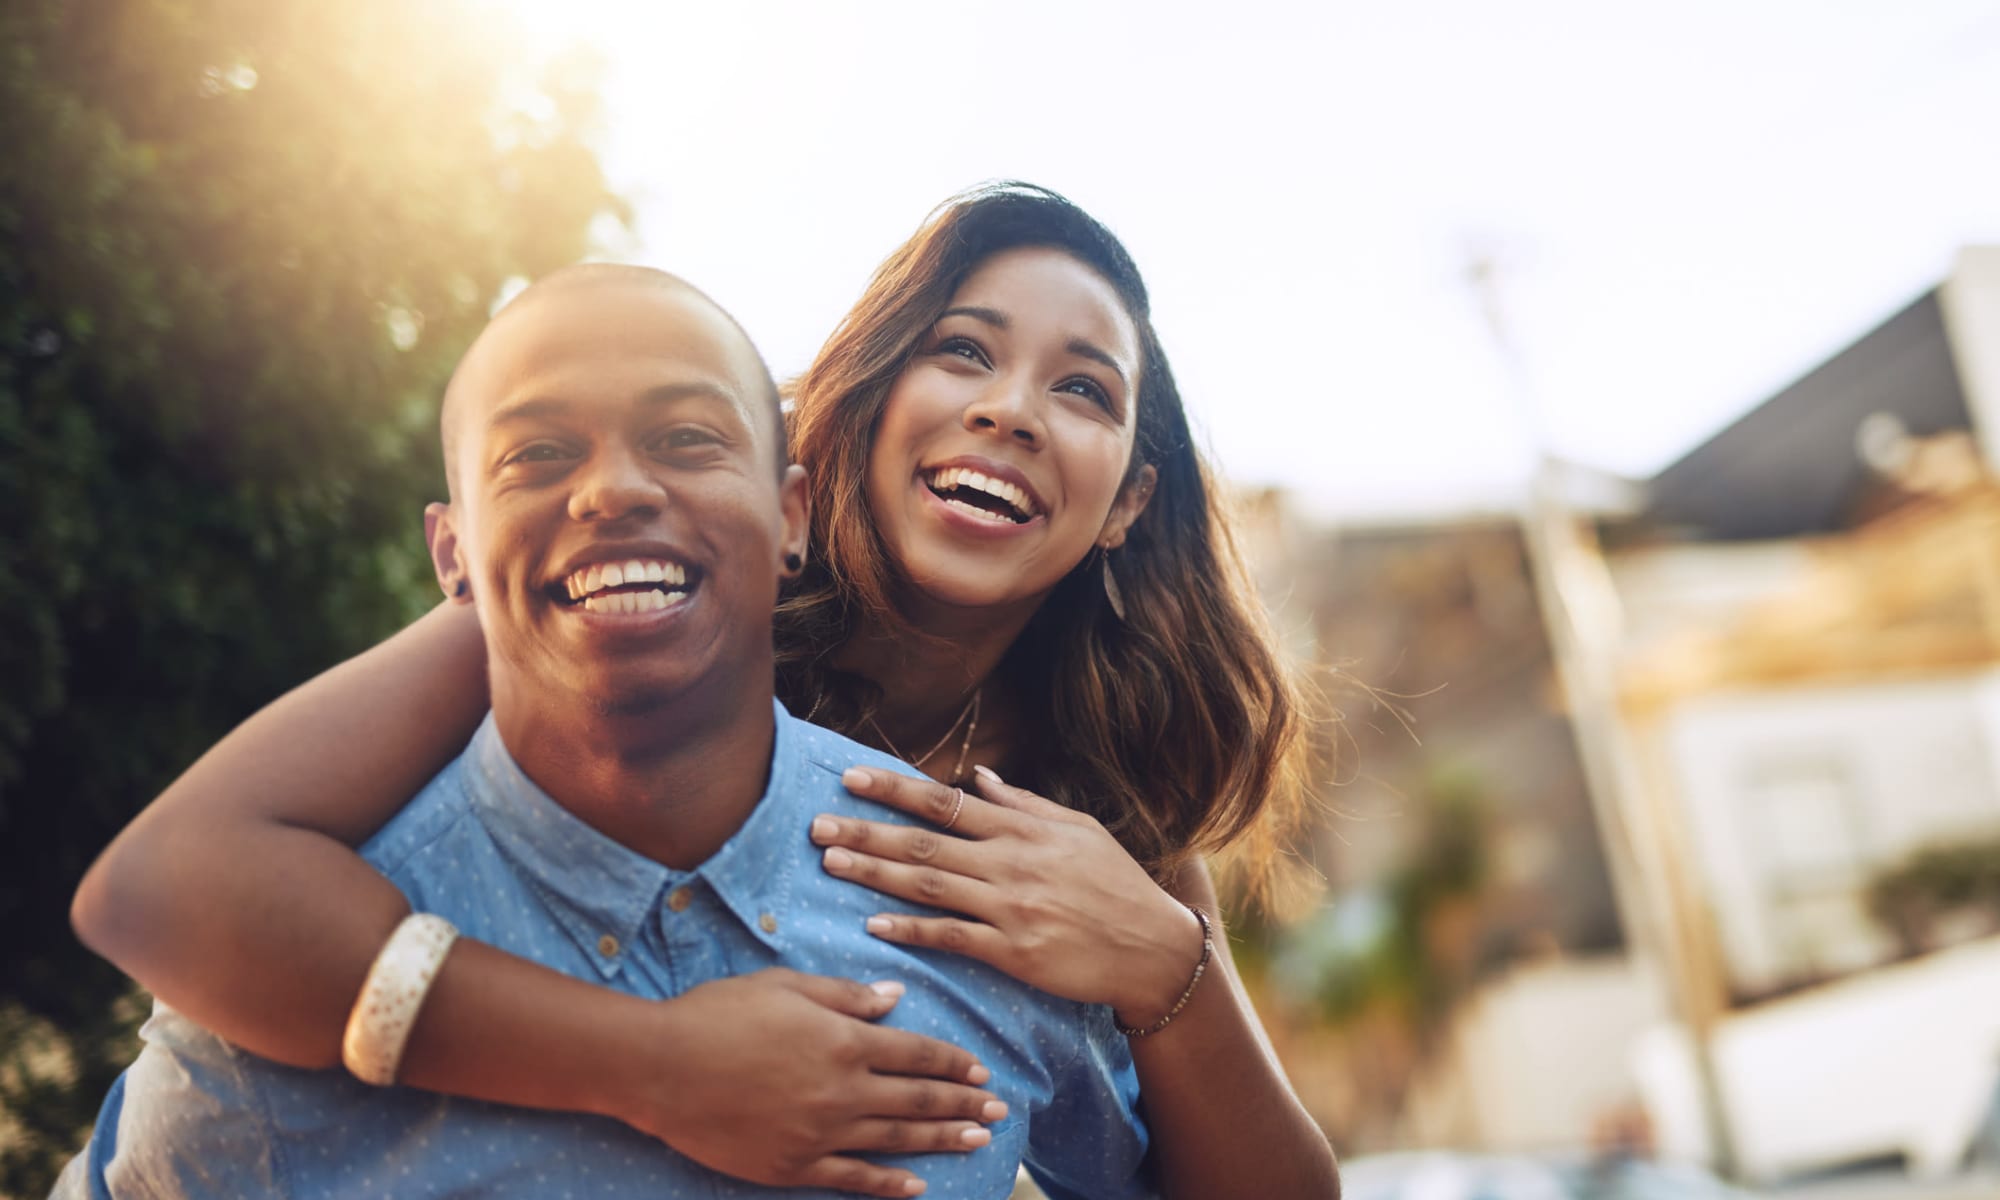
1021, 584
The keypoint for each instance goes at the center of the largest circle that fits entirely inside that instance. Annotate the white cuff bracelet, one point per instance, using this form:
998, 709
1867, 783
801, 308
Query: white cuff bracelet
387, 1007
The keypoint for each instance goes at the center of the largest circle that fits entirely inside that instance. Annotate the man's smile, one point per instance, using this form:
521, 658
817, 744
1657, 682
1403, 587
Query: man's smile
624, 581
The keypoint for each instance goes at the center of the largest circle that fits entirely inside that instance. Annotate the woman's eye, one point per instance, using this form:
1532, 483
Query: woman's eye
964, 348
1089, 389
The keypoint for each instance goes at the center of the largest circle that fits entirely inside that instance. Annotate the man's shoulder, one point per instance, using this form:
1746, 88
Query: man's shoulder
431, 816
832, 752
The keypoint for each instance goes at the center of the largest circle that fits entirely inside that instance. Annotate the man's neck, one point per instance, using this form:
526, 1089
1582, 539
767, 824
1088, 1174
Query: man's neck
672, 782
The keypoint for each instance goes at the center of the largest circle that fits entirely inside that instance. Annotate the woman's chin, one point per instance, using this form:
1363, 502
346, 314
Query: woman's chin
999, 595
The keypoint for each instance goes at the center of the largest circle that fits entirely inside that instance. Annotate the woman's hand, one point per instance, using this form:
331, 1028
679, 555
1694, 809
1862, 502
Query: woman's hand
779, 1078
1044, 893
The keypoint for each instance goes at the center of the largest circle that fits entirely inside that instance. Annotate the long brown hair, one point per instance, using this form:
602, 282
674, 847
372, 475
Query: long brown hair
1177, 726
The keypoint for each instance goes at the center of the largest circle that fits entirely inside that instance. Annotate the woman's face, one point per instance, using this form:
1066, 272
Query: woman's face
998, 458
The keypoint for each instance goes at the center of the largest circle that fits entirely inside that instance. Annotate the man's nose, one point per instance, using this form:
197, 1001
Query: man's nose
1009, 408
616, 483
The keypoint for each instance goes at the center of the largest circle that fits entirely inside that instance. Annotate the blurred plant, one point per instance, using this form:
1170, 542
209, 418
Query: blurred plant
1912, 898
241, 245
1405, 948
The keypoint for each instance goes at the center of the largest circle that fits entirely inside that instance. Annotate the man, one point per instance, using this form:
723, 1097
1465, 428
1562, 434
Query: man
634, 810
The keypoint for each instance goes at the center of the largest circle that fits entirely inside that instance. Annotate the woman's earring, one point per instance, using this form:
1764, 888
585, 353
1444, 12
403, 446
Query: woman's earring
793, 562
459, 589
1111, 592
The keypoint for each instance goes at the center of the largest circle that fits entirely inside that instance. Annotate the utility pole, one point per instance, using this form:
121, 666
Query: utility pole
1658, 902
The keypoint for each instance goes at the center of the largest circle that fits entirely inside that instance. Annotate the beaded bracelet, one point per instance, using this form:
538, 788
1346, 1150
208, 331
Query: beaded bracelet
384, 1013
1207, 951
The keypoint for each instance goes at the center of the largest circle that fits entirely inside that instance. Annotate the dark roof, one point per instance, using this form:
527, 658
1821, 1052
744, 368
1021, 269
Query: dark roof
1789, 467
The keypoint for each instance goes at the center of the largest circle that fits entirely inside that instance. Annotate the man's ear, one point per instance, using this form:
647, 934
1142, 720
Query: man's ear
795, 509
1132, 500
441, 535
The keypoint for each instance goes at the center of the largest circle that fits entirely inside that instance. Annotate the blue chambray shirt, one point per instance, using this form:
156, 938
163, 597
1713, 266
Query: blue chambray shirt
487, 849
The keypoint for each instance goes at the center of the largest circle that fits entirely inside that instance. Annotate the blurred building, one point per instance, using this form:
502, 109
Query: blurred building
1808, 678
1704, 720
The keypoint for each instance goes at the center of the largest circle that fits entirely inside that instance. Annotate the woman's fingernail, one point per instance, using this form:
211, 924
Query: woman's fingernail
913, 1187
855, 777
887, 987
978, 1075
978, 1136
988, 774
837, 859
880, 924
823, 829
995, 1110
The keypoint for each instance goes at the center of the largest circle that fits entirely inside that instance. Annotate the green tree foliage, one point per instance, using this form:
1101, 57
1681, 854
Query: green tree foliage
241, 245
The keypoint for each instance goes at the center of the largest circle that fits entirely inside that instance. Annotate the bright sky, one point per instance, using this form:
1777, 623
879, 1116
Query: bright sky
1691, 204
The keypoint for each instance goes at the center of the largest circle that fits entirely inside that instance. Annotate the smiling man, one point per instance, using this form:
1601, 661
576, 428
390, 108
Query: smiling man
635, 810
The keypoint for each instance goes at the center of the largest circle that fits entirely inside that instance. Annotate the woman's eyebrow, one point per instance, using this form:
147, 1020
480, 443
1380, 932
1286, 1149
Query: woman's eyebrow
1084, 349
991, 316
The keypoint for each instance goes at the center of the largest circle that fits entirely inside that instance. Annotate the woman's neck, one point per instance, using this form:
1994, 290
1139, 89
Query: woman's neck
927, 680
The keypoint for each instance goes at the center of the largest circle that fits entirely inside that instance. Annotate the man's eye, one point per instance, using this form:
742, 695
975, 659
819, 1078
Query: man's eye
686, 438
537, 453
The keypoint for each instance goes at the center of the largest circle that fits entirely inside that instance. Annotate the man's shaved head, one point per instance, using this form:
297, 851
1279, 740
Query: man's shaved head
594, 275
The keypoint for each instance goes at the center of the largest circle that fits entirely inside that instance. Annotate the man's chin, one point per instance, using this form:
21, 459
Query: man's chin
625, 703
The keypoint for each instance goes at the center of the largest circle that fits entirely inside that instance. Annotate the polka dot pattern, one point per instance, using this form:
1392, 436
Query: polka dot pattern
485, 849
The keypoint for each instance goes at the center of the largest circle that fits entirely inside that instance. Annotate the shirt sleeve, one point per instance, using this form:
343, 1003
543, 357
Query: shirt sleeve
1091, 1142
189, 1125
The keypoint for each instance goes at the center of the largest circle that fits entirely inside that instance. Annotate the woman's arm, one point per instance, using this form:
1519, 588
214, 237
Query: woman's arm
1225, 1120
238, 899
1053, 900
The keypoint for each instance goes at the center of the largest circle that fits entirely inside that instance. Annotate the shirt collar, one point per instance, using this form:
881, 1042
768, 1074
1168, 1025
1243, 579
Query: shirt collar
754, 870
591, 883
595, 885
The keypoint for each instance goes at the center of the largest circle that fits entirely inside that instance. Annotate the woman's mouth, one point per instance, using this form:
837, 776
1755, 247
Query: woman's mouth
635, 586
982, 496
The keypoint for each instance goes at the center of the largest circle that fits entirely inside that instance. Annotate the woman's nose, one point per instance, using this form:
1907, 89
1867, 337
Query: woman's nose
1011, 409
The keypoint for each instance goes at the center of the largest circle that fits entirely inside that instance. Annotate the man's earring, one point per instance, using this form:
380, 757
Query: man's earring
458, 589
793, 562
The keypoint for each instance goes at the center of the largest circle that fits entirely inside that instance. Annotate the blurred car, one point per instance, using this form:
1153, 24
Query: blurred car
1449, 1176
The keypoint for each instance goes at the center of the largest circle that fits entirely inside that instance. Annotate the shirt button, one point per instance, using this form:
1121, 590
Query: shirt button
679, 899
768, 923
608, 946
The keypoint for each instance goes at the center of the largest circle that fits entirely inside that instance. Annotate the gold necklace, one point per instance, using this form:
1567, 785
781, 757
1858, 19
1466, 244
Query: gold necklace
971, 710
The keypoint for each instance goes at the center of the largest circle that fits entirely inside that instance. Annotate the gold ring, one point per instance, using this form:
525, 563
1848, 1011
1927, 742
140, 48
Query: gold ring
957, 806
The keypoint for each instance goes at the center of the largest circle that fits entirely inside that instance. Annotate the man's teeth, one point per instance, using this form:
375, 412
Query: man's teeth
632, 602
964, 477
610, 575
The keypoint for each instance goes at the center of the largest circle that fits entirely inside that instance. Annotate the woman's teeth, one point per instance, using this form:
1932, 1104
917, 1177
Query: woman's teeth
985, 514
947, 479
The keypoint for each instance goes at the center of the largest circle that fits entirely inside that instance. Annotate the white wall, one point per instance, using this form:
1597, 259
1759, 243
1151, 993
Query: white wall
1970, 301
1902, 1060
1538, 1057
1795, 797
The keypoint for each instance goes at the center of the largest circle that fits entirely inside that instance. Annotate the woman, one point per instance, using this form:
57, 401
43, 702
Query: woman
1063, 608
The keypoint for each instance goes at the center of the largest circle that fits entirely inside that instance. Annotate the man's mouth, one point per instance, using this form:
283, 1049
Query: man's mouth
635, 586
982, 496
